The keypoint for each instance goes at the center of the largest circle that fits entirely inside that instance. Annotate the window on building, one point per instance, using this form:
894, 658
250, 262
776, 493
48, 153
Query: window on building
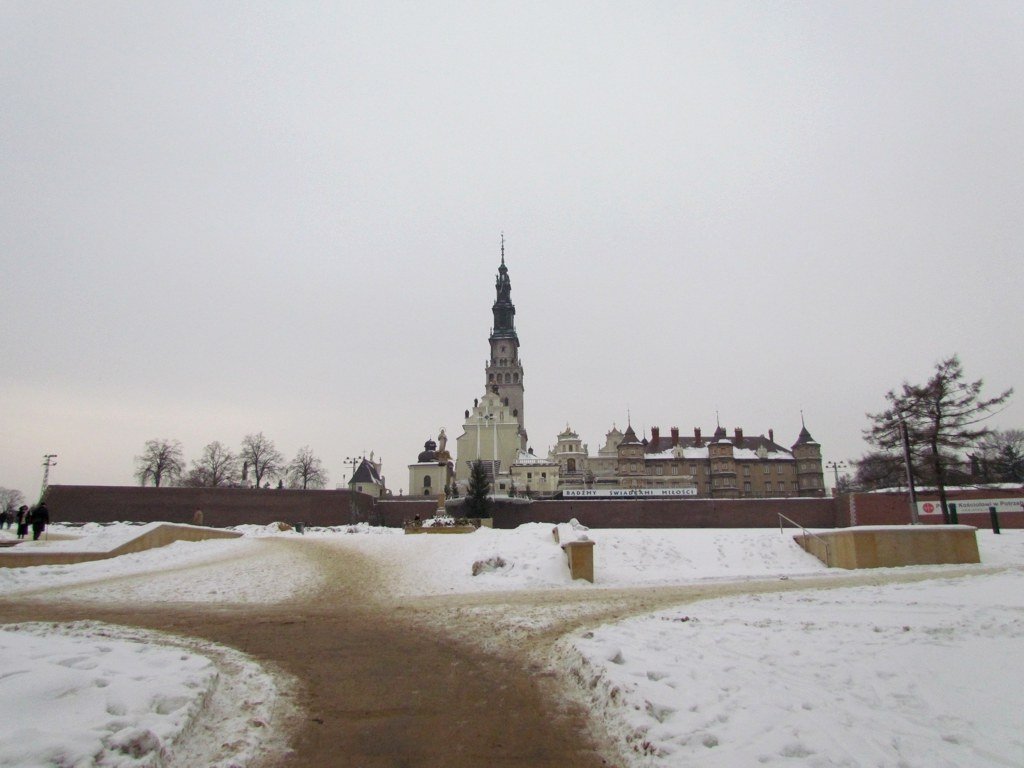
746, 471
658, 471
529, 475
543, 475
515, 378
426, 481
746, 487
782, 487
490, 377
693, 469
508, 378
768, 488
767, 468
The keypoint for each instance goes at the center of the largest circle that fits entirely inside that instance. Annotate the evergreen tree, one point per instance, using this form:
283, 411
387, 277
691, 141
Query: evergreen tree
477, 502
942, 418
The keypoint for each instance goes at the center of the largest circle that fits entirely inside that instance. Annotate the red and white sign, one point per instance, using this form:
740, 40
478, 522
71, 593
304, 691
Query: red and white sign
973, 505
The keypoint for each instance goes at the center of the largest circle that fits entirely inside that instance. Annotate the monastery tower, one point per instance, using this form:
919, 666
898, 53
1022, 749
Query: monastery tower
494, 430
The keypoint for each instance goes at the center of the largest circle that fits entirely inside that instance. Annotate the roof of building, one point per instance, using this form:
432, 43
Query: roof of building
805, 438
752, 447
525, 457
429, 452
366, 472
629, 437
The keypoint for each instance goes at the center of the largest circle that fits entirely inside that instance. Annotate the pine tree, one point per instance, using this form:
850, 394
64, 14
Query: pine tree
941, 416
477, 502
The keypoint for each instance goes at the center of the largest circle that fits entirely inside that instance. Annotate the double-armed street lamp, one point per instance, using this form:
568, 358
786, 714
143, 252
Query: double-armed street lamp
835, 466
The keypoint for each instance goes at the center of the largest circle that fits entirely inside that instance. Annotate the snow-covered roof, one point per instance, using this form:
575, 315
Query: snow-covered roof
525, 457
744, 454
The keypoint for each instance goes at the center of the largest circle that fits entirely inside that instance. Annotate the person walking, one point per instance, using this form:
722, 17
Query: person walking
22, 519
40, 519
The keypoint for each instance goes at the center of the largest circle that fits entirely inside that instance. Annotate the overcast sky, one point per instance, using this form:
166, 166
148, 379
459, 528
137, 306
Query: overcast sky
226, 218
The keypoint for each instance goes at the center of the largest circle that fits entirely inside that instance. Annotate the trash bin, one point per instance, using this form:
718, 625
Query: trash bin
300, 527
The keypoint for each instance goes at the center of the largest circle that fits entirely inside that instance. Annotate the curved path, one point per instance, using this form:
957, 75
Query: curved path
452, 681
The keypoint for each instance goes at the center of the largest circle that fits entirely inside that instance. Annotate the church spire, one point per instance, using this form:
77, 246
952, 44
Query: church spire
504, 310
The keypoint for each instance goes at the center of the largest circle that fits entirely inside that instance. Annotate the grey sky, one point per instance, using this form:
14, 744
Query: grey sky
218, 219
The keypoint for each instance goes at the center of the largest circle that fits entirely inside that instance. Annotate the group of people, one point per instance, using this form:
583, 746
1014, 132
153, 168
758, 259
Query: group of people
37, 519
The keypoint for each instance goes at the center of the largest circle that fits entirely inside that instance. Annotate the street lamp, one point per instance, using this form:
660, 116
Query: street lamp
48, 461
835, 466
494, 450
351, 498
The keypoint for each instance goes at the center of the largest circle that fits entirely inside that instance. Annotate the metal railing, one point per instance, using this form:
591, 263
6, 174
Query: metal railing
828, 551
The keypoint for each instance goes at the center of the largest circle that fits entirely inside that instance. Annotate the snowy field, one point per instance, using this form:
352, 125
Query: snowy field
916, 674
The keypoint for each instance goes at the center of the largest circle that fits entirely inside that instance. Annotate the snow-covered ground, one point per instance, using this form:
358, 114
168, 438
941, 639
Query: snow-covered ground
921, 674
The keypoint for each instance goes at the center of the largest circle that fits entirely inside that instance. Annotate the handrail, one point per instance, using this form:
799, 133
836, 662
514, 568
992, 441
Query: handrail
828, 552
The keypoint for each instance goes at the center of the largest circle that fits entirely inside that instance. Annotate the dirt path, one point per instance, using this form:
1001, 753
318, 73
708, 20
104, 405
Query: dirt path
452, 681
378, 687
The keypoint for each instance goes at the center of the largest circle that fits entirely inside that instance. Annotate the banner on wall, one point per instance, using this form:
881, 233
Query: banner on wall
972, 505
627, 493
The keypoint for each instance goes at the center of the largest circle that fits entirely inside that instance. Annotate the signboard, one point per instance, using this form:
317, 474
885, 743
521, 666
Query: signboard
972, 505
628, 493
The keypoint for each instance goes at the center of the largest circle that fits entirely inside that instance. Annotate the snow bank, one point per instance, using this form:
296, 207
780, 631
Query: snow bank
923, 674
92, 694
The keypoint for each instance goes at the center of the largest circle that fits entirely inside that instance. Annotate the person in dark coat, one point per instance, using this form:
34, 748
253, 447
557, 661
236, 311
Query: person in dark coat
40, 519
22, 519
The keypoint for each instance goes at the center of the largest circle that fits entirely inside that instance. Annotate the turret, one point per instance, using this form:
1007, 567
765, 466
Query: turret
809, 474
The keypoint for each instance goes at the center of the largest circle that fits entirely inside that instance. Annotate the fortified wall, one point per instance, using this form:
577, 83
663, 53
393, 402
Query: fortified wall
220, 506
239, 506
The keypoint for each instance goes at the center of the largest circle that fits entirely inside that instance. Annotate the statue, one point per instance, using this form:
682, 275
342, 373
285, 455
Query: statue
442, 440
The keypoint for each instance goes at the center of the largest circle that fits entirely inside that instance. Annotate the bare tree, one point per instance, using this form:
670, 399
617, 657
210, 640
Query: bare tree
161, 460
306, 470
878, 469
10, 500
942, 418
1000, 457
263, 459
216, 467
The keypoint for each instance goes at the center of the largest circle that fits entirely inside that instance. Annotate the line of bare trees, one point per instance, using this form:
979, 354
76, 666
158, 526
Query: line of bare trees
258, 463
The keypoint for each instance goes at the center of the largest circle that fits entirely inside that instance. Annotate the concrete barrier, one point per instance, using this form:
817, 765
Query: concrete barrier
160, 536
893, 546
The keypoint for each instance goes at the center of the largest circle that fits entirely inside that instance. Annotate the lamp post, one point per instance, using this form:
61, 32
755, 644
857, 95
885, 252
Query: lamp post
494, 452
835, 466
48, 461
351, 498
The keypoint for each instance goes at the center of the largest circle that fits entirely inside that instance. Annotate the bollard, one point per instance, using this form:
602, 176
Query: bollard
954, 519
995, 519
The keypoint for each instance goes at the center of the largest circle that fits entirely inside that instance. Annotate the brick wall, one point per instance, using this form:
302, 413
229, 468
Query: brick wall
894, 508
221, 506
237, 506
